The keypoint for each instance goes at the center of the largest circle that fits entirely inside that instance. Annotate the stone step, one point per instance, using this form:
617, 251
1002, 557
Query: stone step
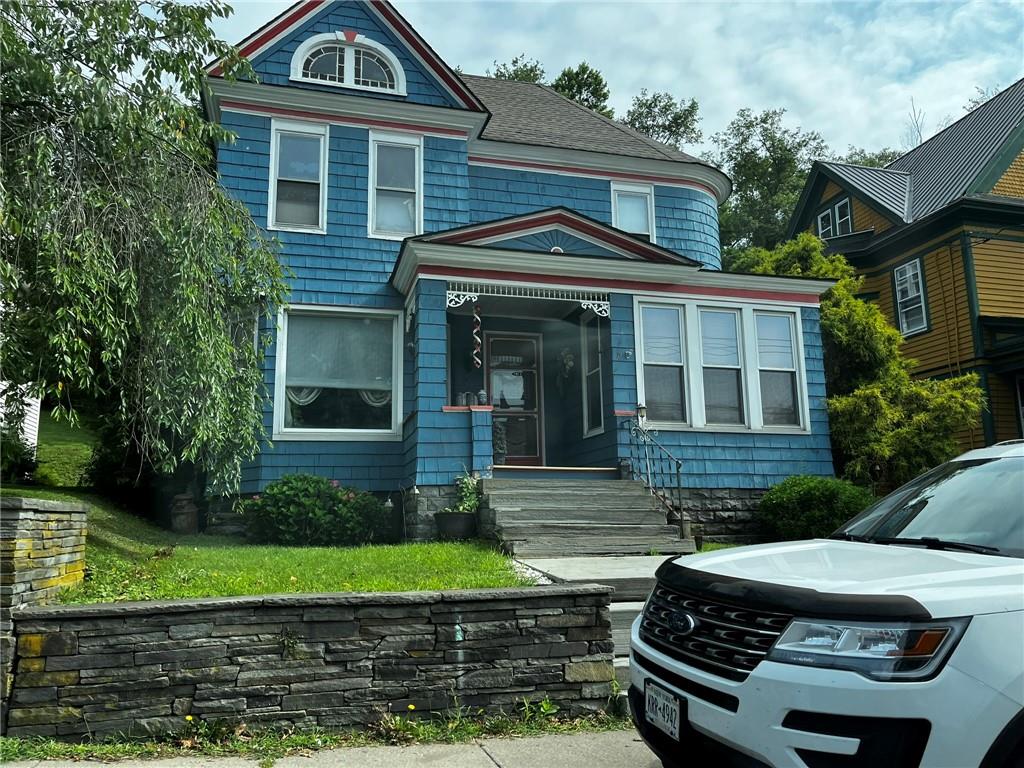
527, 531
581, 514
622, 616
575, 545
568, 485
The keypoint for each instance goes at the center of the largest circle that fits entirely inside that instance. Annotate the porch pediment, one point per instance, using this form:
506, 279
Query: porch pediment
557, 231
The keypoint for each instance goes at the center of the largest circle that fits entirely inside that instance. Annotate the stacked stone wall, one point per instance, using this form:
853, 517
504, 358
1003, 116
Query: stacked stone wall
336, 660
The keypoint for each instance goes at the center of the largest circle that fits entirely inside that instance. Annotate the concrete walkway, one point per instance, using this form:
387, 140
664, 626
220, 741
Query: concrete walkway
616, 749
631, 575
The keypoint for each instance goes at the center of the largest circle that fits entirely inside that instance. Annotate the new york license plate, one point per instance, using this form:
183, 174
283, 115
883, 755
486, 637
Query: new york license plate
662, 709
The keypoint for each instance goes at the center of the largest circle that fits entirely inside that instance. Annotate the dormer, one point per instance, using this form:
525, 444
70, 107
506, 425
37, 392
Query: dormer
347, 59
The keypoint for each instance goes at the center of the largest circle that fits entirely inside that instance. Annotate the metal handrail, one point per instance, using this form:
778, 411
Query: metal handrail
659, 470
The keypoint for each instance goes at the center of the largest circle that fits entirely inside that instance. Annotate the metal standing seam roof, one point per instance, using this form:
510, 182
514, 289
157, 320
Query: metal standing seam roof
530, 113
943, 168
889, 188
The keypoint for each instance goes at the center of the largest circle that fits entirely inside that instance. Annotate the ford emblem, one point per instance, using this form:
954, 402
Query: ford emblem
682, 623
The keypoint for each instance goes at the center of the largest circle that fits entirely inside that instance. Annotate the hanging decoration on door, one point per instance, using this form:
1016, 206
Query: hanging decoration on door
477, 340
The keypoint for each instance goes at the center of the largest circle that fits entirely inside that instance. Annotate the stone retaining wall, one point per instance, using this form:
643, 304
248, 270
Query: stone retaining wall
42, 551
332, 660
725, 514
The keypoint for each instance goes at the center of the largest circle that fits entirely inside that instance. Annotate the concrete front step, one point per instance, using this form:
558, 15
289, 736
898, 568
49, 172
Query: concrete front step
590, 515
586, 546
631, 577
491, 485
527, 531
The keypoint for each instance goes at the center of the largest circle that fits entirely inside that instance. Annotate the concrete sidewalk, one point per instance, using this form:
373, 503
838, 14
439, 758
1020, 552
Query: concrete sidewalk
616, 749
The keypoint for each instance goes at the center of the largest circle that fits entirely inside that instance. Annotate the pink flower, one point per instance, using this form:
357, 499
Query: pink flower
335, 484
256, 497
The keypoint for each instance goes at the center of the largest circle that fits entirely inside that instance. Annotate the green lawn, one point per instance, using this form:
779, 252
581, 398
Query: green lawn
128, 559
63, 452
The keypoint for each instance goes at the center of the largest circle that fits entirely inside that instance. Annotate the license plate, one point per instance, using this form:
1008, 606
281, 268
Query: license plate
662, 709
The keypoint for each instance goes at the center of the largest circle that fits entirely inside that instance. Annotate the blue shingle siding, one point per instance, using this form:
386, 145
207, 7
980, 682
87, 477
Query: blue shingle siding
686, 221
274, 66
753, 460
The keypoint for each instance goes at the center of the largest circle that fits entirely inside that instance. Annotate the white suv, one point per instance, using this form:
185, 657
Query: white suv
898, 641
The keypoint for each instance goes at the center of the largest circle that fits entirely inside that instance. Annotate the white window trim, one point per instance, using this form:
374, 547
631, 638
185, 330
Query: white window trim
801, 395
836, 217
404, 139
831, 224
634, 189
585, 365
321, 130
281, 432
915, 263
741, 367
359, 41
694, 395
686, 340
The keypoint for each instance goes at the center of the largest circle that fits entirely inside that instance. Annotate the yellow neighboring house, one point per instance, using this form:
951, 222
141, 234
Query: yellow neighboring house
939, 236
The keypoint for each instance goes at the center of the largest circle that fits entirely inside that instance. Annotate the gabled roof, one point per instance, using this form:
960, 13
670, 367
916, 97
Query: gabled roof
530, 113
493, 232
946, 166
888, 188
281, 25
963, 159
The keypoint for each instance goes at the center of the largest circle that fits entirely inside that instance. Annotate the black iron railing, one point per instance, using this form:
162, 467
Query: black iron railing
662, 472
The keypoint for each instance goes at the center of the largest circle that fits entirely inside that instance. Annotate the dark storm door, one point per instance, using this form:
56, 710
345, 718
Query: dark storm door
513, 370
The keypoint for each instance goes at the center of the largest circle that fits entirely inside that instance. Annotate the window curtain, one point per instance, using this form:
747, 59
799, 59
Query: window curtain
340, 353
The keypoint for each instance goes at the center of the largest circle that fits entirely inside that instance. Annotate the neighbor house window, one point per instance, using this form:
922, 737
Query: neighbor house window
338, 374
836, 220
633, 209
663, 363
395, 183
777, 368
298, 196
910, 311
349, 62
722, 374
593, 397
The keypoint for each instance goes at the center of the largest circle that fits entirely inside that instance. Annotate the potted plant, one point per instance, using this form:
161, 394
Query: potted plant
458, 522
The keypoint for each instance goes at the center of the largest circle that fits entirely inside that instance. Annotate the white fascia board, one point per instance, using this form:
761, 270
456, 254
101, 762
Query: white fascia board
665, 172
342, 105
420, 254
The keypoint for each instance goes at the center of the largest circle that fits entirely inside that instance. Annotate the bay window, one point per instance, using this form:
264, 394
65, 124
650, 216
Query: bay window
720, 357
338, 374
777, 370
664, 373
395, 199
708, 365
298, 162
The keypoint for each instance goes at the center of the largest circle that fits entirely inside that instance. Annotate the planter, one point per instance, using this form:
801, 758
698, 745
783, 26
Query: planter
455, 526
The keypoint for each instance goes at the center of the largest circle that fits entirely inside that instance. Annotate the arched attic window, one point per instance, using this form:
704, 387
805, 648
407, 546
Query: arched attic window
348, 60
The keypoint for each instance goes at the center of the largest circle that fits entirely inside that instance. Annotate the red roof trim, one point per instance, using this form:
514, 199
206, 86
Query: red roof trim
558, 217
301, 11
628, 285
593, 172
329, 118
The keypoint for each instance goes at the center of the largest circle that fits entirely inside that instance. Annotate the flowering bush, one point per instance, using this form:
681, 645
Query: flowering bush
307, 510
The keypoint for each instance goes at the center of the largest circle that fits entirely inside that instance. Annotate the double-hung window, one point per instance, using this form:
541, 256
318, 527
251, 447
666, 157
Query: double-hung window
593, 397
836, 220
777, 369
910, 311
298, 194
396, 199
722, 373
338, 374
633, 209
664, 370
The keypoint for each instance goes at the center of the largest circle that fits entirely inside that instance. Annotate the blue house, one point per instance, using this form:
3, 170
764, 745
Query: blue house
488, 278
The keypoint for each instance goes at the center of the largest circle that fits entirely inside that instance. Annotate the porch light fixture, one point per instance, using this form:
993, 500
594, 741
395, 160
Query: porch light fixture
641, 412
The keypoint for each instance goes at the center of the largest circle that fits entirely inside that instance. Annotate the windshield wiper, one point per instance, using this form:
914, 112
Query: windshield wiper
849, 537
933, 543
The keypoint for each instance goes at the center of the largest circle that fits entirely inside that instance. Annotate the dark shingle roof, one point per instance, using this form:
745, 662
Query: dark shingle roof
943, 168
528, 113
887, 187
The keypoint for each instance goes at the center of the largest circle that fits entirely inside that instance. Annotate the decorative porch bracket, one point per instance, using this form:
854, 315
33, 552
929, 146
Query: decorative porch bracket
599, 308
458, 298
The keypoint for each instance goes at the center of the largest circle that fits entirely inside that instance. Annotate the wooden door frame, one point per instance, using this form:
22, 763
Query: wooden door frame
539, 337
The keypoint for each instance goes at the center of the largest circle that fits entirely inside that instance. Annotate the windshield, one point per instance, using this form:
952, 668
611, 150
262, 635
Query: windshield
977, 502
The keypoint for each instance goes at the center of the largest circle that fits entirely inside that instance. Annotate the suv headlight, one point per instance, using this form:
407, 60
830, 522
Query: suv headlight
880, 651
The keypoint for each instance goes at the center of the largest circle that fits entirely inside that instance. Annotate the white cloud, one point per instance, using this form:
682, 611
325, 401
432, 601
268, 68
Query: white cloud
845, 69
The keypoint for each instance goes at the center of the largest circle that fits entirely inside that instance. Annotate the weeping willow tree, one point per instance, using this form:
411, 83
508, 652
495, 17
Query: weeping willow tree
127, 272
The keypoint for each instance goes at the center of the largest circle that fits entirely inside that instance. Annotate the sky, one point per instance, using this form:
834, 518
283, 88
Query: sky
845, 69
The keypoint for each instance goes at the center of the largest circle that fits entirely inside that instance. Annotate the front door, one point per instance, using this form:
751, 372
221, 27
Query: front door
513, 371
